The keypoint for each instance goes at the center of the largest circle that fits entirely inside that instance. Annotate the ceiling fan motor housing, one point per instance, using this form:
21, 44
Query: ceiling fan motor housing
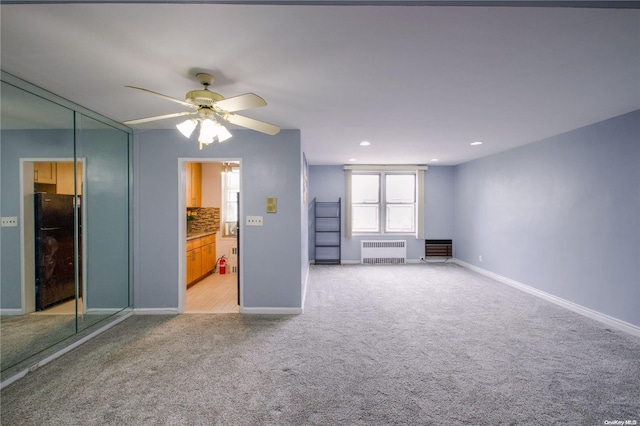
203, 97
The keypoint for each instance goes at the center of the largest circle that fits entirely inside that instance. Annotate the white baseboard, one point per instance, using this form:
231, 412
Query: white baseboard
11, 312
579, 309
243, 310
430, 260
156, 311
102, 311
271, 311
436, 259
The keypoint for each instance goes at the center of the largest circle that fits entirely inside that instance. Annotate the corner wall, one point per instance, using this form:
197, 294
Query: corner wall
561, 215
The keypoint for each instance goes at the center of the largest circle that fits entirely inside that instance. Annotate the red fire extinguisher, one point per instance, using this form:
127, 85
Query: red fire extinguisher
223, 265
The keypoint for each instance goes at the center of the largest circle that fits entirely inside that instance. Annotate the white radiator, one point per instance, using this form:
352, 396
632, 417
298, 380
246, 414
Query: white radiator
383, 252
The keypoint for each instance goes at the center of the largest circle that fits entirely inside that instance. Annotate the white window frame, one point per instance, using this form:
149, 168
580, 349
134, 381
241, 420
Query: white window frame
229, 225
417, 171
388, 204
378, 204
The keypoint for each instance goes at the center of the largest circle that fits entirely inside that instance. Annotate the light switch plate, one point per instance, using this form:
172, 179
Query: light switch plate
10, 221
254, 220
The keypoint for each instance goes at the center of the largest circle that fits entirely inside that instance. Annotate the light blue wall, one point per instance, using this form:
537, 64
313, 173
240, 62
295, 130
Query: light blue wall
304, 221
105, 206
438, 202
327, 183
106, 210
561, 215
271, 167
17, 144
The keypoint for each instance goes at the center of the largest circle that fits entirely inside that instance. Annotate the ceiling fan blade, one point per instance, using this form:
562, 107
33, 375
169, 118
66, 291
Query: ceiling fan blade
251, 123
238, 103
159, 117
169, 98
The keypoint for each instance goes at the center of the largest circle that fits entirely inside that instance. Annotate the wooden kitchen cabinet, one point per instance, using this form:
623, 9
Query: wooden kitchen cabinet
65, 182
201, 257
194, 185
189, 269
61, 174
194, 265
208, 257
44, 172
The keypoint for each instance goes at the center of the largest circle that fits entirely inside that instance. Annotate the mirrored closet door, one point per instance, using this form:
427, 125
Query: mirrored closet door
65, 201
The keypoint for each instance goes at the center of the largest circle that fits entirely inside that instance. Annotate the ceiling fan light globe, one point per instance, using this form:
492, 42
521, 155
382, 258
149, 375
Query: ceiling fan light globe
223, 134
187, 127
208, 131
205, 140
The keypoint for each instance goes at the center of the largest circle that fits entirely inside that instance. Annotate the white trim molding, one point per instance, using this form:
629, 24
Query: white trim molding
156, 311
271, 311
386, 168
102, 311
420, 204
11, 312
579, 309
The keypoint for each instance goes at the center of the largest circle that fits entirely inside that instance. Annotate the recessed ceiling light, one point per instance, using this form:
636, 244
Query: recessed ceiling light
351, 160
476, 143
365, 143
435, 160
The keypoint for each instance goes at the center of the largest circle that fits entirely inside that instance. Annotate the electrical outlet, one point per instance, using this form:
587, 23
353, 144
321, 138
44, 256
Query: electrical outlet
11, 221
480, 258
254, 220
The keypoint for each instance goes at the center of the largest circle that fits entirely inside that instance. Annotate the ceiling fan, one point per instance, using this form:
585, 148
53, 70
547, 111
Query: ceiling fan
209, 107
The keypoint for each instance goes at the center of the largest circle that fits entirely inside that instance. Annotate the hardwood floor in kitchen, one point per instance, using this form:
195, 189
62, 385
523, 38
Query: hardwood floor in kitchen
66, 308
214, 294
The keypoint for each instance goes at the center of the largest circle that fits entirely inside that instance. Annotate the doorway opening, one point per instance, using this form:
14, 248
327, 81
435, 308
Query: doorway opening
211, 270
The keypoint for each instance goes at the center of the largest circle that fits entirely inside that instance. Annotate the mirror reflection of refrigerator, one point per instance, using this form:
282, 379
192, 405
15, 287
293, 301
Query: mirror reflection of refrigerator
54, 249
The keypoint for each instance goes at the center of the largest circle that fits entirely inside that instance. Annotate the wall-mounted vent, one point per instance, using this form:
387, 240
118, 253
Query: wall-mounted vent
383, 252
438, 248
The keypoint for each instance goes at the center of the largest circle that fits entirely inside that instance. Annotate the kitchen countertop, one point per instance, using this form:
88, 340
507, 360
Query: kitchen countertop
199, 235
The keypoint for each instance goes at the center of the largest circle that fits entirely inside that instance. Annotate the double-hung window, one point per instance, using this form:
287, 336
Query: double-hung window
365, 198
384, 201
400, 200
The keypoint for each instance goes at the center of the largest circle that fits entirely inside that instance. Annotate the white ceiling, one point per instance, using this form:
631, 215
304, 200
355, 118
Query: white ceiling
418, 82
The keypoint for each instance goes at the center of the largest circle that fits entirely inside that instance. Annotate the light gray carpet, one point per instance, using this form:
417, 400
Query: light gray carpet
27, 339
377, 345
25, 335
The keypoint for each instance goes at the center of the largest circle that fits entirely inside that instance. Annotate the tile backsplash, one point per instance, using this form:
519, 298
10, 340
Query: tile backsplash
205, 219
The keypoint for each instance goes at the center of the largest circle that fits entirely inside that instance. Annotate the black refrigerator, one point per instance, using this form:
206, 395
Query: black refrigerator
54, 249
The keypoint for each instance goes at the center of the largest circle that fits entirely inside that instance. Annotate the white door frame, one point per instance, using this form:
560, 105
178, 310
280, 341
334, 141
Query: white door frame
182, 226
